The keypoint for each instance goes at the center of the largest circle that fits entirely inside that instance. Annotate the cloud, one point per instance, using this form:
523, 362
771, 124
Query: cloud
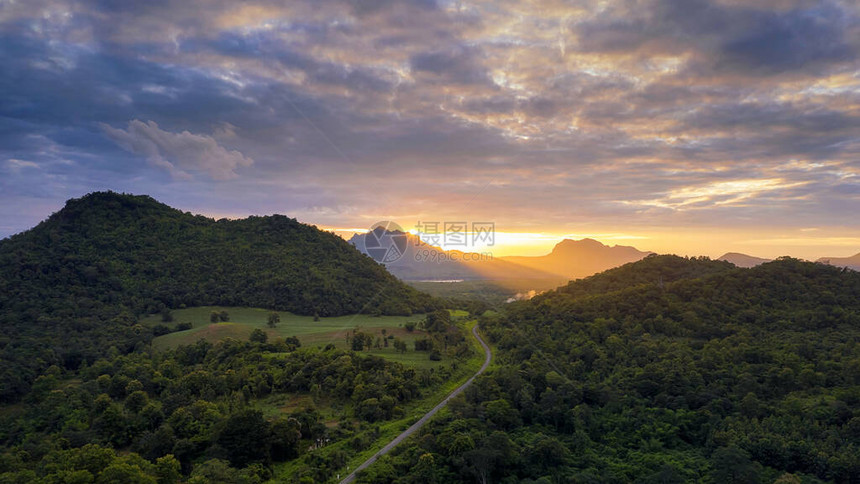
458, 65
735, 37
576, 111
179, 153
18, 165
719, 193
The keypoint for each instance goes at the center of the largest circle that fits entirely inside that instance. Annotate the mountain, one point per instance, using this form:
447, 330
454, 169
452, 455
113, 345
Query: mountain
852, 262
574, 259
665, 370
655, 270
742, 260
73, 287
423, 262
569, 259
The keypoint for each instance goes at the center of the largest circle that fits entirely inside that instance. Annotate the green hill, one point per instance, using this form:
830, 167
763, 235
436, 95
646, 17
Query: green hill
709, 374
653, 269
74, 286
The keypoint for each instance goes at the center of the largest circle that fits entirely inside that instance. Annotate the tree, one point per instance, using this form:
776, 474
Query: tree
125, 472
168, 470
361, 340
286, 434
246, 438
214, 317
502, 414
370, 410
423, 344
438, 321
258, 336
426, 471
274, 319
216, 470
136, 401
224, 315
400, 346
733, 466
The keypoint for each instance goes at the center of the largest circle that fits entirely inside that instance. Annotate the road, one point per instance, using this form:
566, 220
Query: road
488, 355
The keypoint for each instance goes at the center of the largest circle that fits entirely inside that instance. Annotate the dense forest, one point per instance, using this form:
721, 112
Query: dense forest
202, 413
74, 286
665, 370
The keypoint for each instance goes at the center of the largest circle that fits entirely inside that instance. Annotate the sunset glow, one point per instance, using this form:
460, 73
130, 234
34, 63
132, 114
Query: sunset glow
695, 127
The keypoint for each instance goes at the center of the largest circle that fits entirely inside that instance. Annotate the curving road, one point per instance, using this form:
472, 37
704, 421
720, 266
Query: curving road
427, 416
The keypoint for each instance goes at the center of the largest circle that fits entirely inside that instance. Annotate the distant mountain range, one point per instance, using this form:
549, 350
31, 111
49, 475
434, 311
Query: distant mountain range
570, 259
574, 259
742, 260
423, 262
852, 262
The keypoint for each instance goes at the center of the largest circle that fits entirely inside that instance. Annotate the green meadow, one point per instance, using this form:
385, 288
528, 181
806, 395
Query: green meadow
326, 331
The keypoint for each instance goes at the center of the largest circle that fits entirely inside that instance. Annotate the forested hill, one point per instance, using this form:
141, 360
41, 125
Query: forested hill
74, 285
719, 374
654, 269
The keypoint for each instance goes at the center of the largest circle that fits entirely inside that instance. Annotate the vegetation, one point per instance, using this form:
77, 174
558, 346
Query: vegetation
74, 287
200, 406
665, 370
131, 354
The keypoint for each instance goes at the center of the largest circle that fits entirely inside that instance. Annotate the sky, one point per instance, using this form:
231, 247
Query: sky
689, 126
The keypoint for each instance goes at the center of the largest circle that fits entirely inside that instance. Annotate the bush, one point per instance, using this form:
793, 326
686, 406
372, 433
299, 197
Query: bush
423, 344
258, 336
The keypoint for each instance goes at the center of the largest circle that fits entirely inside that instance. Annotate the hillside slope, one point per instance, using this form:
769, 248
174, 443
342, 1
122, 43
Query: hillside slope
74, 285
722, 374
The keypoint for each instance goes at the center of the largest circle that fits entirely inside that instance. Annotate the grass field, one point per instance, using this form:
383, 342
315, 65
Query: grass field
320, 333
311, 333
388, 430
493, 292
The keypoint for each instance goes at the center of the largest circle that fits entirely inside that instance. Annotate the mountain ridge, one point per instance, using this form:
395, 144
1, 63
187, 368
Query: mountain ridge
742, 260
852, 262
569, 259
575, 259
